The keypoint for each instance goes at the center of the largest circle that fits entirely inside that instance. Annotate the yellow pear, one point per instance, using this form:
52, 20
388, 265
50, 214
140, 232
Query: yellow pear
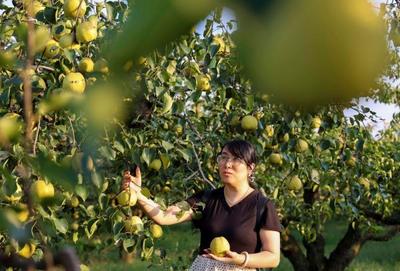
42, 36
155, 164
74, 8
316, 122
219, 246
156, 231
52, 49
74, 201
351, 161
58, 30
313, 52
27, 250
301, 145
275, 158
86, 32
294, 183
10, 127
74, 82
203, 83
22, 212
269, 130
127, 198
66, 41
133, 224
86, 65
16, 196
41, 190
101, 66
249, 123
33, 7
364, 182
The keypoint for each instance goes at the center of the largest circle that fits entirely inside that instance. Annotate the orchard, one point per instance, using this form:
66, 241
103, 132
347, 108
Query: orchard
91, 89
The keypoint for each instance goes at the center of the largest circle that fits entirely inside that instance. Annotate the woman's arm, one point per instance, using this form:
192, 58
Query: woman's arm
269, 257
173, 214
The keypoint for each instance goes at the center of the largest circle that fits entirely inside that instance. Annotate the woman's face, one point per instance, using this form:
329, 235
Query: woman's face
232, 170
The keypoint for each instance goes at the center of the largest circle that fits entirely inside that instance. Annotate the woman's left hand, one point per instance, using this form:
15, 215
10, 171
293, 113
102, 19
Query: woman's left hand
230, 257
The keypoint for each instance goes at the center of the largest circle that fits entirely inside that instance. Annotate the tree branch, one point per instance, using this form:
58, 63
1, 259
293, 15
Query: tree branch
346, 250
383, 237
291, 249
26, 78
200, 169
391, 221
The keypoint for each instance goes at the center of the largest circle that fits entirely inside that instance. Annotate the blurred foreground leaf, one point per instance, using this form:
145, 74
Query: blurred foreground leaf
61, 175
152, 24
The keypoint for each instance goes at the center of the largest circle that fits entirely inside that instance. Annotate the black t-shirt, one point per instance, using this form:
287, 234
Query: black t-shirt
237, 223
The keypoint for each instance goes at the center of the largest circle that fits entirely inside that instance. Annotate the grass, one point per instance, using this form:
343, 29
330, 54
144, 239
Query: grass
180, 241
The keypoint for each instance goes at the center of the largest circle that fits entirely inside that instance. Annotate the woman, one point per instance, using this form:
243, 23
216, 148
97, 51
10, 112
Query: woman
230, 211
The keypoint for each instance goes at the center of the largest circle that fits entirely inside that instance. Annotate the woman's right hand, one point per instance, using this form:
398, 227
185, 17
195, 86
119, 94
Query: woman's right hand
135, 180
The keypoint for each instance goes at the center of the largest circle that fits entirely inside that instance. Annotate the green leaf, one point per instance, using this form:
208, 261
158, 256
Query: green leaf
109, 11
165, 20
10, 185
93, 228
75, 237
103, 200
81, 191
325, 144
4, 155
167, 145
61, 175
186, 154
128, 243
108, 152
97, 180
43, 212
61, 224
146, 156
117, 228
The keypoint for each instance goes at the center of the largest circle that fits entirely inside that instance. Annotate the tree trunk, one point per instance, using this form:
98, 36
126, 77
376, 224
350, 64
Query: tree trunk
315, 253
291, 250
346, 250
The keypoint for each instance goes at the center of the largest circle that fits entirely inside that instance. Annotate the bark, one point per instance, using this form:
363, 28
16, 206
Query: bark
391, 232
391, 220
315, 250
346, 250
315, 253
291, 250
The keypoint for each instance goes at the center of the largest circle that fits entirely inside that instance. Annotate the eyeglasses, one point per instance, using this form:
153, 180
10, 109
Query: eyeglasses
221, 158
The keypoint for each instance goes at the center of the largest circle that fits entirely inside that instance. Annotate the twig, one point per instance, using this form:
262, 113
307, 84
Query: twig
73, 132
28, 107
194, 129
199, 165
190, 176
36, 137
45, 68
386, 236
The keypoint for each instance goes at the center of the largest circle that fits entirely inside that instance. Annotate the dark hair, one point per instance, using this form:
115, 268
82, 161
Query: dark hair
242, 149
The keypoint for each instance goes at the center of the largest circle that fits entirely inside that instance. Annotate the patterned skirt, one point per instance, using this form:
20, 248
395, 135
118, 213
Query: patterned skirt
205, 264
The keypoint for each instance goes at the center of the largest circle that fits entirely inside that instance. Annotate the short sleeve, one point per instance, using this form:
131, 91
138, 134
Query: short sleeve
270, 220
194, 200
195, 203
